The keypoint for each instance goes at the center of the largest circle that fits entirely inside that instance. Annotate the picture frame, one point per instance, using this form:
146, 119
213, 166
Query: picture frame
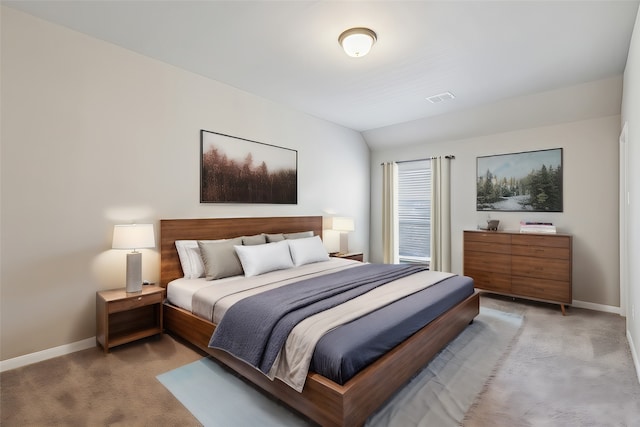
238, 170
529, 181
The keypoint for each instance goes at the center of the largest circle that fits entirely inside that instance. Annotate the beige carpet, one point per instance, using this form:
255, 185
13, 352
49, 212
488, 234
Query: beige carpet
561, 371
89, 388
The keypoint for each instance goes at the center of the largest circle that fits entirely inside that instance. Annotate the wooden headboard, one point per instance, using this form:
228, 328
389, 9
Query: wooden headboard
222, 228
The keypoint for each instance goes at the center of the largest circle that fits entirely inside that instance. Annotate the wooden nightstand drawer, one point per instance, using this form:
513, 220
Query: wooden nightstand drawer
134, 301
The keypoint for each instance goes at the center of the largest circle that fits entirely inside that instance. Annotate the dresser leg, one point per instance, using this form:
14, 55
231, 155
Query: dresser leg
564, 313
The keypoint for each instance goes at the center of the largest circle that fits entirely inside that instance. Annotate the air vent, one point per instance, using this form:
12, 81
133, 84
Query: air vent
446, 96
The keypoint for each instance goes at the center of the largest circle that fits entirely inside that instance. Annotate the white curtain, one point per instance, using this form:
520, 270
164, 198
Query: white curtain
440, 214
390, 213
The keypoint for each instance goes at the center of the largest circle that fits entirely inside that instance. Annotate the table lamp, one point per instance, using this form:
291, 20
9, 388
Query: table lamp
133, 236
343, 225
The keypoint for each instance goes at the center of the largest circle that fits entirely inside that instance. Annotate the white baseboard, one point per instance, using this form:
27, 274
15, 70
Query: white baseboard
634, 355
596, 307
50, 353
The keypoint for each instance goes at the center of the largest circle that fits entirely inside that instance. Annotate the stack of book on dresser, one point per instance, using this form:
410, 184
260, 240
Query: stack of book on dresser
537, 227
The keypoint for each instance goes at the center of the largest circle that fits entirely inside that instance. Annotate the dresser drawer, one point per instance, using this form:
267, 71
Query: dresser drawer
490, 281
483, 261
551, 290
554, 269
553, 241
541, 252
487, 247
134, 302
487, 237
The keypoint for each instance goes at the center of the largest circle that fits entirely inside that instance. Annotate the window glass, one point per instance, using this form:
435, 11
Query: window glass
414, 211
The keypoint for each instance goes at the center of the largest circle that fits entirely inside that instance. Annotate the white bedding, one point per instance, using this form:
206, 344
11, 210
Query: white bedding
180, 292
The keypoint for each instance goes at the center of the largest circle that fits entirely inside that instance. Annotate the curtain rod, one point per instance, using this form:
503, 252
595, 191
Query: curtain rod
450, 156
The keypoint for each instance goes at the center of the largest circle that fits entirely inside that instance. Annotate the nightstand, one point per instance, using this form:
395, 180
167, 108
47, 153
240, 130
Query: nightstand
122, 317
356, 256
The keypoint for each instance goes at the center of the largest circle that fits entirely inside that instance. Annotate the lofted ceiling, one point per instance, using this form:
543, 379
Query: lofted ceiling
484, 52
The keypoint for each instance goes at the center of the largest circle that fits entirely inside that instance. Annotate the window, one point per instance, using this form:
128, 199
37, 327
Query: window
414, 211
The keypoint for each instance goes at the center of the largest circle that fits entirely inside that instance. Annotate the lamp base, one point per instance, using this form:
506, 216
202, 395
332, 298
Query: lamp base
134, 272
344, 243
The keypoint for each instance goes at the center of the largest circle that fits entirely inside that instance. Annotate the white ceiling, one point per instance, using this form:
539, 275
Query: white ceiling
483, 52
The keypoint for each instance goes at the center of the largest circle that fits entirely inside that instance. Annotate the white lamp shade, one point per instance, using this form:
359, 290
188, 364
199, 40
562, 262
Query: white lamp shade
133, 236
357, 42
342, 224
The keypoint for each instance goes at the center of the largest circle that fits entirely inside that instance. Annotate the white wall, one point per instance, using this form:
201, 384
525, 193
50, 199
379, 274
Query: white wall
94, 135
631, 115
590, 163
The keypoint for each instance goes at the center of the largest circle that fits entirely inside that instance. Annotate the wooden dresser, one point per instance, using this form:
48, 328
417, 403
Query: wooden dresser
528, 265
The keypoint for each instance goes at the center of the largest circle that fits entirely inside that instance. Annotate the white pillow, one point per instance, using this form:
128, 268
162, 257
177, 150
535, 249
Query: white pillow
307, 250
190, 259
260, 259
195, 258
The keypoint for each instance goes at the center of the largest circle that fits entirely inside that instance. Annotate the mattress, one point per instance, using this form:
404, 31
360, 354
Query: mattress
347, 349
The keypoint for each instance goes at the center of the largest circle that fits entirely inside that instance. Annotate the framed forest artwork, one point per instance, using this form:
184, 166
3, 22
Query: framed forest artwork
237, 170
528, 181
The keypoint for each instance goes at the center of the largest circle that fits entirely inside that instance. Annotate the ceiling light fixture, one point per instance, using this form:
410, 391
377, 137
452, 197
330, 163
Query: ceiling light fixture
357, 42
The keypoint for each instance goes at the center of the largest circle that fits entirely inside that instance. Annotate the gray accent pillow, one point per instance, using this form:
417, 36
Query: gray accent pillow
272, 238
220, 258
258, 239
300, 235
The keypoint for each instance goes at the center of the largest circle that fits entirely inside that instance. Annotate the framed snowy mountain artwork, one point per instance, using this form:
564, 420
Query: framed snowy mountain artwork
528, 181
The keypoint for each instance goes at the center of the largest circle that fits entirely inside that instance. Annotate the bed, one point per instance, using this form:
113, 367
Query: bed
323, 400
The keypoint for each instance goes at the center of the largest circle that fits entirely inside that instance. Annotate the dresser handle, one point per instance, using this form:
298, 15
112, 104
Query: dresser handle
139, 298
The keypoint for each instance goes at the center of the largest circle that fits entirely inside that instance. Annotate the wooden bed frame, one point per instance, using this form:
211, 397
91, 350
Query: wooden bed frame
322, 400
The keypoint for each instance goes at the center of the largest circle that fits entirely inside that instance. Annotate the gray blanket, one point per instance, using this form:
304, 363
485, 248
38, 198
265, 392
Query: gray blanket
255, 328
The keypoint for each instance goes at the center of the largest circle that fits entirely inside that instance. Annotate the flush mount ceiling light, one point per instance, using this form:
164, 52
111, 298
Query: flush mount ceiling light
357, 42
